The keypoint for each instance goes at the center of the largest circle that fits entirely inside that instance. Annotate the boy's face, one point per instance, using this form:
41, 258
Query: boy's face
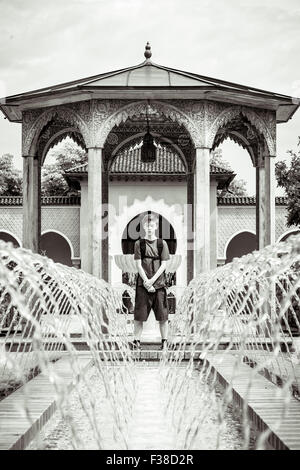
150, 227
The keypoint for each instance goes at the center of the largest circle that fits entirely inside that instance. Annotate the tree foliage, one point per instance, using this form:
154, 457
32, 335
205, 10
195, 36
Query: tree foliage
65, 155
238, 186
68, 154
288, 177
53, 183
216, 158
10, 177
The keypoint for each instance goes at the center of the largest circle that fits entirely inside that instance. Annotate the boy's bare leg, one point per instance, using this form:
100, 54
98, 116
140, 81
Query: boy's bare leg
163, 326
138, 329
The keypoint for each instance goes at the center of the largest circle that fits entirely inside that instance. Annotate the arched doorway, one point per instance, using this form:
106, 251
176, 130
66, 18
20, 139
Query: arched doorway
243, 128
55, 246
288, 235
132, 232
50, 128
240, 245
7, 237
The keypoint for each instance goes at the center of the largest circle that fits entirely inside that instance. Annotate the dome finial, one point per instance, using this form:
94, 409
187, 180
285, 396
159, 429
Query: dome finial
148, 52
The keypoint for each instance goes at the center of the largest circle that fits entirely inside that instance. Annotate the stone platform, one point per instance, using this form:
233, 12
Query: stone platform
25, 411
80, 343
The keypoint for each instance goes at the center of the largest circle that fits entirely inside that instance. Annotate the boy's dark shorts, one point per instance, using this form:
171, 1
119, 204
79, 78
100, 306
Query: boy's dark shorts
145, 300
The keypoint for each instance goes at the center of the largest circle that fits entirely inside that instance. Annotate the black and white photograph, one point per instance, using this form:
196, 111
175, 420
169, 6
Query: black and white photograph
149, 228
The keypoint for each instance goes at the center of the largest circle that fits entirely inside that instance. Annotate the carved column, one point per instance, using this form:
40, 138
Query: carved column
270, 184
84, 223
105, 241
260, 207
201, 211
265, 203
190, 227
267, 237
213, 224
95, 211
31, 203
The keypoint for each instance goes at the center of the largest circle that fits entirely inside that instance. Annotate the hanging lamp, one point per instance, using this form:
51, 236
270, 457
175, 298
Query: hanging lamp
148, 149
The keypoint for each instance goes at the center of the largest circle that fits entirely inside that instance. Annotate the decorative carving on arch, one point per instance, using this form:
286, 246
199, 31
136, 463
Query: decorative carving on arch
238, 139
162, 128
263, 121
94, 119
34, 121
189, 114
57, 137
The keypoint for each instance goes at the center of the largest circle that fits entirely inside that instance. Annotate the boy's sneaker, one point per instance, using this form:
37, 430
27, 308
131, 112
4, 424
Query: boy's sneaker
164, 345
136, 345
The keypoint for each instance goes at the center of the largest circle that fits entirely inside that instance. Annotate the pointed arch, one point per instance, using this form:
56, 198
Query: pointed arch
253, 117
58, 137
138, 107
31, 136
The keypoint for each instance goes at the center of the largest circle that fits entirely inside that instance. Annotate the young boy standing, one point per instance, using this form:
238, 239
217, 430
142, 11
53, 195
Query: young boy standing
151, 255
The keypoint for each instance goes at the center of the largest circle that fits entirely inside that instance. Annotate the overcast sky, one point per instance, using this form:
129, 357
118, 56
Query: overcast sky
253, 43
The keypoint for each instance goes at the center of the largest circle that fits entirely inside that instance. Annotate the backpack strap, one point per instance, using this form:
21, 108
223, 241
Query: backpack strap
143, 247
160, 246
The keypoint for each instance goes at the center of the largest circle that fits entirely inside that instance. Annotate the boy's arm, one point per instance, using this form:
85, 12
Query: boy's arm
158, 272
165, 256
138, 261
141, 270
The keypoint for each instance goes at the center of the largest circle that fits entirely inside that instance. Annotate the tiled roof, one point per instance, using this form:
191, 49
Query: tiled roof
129, 162
219, 170
46, 201
247, 201
78, 169
236, 201
75, 201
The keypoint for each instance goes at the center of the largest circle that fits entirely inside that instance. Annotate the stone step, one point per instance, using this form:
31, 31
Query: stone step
19, 344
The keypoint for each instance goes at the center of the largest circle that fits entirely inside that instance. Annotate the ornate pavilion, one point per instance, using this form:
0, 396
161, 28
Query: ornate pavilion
188, 116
